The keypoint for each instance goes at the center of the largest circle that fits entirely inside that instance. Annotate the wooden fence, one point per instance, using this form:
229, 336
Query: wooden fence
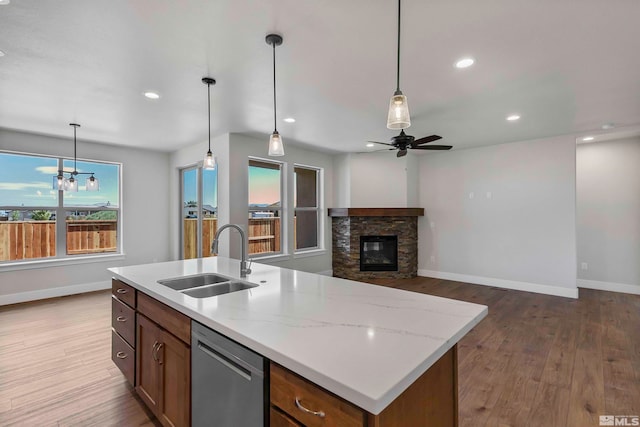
37, 239
264, 236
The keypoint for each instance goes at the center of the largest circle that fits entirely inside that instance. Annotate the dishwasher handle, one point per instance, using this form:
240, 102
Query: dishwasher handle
226, 361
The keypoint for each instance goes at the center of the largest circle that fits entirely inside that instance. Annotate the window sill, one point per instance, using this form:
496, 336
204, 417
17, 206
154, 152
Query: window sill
309, 253
274, 258
56, 262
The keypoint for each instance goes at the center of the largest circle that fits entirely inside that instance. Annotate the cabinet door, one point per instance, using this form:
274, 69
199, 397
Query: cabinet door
148, 340
175, 380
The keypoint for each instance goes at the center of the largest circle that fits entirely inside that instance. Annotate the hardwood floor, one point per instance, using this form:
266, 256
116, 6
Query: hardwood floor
536, 360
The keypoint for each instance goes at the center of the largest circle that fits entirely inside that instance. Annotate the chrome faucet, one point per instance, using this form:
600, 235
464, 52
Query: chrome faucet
244, 270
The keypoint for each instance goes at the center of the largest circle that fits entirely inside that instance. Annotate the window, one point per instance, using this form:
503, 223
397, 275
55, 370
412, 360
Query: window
199, 211
307, 207
265, 207
38, 222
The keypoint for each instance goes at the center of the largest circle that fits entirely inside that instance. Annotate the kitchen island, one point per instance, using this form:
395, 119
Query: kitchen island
371, 346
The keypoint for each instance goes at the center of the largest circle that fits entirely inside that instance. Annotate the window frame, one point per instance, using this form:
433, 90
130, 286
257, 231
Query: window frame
282, 167
61, 257
318, 208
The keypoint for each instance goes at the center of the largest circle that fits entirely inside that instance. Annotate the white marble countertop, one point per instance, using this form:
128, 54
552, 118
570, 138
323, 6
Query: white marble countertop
363, 342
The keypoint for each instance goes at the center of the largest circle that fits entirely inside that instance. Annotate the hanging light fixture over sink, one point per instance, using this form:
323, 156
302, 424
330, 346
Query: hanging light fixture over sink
209, 158
276, 147
398, 117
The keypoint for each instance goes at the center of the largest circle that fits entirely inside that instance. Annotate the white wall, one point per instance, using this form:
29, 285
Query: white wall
233, 193
376, 180
502, 215
145, 218
608, 214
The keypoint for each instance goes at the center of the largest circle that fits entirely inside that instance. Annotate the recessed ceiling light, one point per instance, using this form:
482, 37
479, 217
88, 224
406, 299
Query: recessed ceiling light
1, 53
371, 145
588, 138
465, 62
513, 117
290, 120
4, 2
151, 95
608, 126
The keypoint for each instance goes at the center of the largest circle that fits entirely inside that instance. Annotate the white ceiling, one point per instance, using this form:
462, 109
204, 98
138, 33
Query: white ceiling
566, 66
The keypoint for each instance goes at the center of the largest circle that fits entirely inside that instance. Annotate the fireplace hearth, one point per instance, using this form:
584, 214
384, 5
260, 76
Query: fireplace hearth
360, 246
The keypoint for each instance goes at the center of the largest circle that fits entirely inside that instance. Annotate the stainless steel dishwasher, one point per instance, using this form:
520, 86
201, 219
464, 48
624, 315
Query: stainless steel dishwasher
228, 388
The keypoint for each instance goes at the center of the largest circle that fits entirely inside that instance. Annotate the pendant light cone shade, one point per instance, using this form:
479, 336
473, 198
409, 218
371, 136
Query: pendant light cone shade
209, 162
276, 147
398, 117
92, 184
71, 185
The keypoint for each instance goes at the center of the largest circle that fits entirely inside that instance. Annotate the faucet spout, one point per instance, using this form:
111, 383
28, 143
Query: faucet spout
244, 270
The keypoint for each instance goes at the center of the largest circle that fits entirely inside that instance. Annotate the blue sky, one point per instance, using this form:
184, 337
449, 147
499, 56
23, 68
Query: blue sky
210, 189
28, 181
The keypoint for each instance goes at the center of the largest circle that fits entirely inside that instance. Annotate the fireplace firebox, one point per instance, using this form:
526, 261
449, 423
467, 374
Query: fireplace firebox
378, 253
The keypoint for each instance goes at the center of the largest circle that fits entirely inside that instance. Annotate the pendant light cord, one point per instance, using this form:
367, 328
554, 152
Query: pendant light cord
75, 157
275, 127
398, 63
209, 112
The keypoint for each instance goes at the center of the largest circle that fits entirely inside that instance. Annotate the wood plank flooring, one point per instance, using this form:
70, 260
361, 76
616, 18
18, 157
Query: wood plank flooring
536, 360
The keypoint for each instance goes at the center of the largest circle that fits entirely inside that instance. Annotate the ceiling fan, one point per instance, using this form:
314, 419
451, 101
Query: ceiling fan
403, 142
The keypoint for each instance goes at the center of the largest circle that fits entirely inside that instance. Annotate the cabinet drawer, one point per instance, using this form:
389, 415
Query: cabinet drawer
172, 320
123, 356
124, 292
123, 321
286, 387
278, 418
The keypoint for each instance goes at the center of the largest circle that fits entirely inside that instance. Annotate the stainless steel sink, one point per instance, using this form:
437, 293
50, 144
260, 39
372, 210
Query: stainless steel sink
188, 282
206, 285
218, 289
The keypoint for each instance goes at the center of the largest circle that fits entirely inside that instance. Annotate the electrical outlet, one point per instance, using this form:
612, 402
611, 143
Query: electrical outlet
432, 224
584, 266
433, 258
489, 195
472, 195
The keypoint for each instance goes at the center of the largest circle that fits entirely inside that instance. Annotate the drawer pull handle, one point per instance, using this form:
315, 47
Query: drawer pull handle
154, 353
309, 411
121, 355
121, 291
121, 319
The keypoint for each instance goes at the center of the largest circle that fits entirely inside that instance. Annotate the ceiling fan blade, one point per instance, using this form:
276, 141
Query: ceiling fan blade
383, 143
426, 139
434, 147
401, 153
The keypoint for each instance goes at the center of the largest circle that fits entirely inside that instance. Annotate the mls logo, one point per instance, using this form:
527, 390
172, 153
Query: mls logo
619, 420
606, 420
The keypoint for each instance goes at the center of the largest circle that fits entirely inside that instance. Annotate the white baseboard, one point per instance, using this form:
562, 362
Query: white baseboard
53, 292
326, 273
609, 286
502, 283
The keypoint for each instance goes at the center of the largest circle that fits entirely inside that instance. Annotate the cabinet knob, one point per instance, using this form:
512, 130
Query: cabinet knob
320, 414
121, 355
121, 319
121, 291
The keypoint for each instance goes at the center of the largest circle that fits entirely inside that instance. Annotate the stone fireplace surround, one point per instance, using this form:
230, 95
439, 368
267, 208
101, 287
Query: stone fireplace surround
348, 224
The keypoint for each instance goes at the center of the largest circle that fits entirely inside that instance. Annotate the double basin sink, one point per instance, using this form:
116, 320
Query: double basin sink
206, 285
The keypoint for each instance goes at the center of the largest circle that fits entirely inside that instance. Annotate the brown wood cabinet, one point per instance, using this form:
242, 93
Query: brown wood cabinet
163, 362
123, 330
431, 401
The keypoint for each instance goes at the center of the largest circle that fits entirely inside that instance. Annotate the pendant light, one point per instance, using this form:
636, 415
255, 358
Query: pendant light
70, 184
276, 147
209, 158
398, 117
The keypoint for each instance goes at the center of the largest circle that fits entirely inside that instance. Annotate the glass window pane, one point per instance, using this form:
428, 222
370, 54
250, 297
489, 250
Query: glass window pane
27, 234
306, 188
108, 176
190, 214
27, 180
209, 192
90, 232
264, 185
306, 226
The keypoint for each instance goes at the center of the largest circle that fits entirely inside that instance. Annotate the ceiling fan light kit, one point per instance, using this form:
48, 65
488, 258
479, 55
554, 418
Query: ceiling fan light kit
209, 162
398, 117
70, 183
276, 146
